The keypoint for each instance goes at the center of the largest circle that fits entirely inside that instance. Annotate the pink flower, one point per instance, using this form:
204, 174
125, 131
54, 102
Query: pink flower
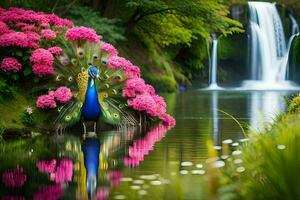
42, 70
83, 33
10, 64
150, 89
63, 94
143, 103
116, 61
64, 171
45, 166
48, 34
110, 49
56, 51
168, 120
42, 56
115, 177
3, 28
49, 192
29, 27
18, 39
161, 106
134, 87
46, 101
132, 71
58, 22
14, 178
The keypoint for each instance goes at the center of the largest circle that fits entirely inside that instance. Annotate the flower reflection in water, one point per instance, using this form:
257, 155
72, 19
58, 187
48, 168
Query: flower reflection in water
66, 166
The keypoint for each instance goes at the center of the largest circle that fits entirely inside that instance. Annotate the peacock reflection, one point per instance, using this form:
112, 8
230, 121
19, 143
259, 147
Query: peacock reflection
77, 168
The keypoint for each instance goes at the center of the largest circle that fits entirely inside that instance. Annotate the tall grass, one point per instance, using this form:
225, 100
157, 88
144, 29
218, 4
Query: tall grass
268, 167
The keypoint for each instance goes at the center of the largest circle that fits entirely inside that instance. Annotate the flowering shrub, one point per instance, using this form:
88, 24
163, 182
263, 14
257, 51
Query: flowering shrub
110, 49
14, 178
64, 171
10, 64
30, 32
63, 94
83, 33
48, 34
56, 51
46, 101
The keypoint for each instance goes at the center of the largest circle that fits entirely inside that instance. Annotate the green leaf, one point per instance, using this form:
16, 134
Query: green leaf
27, 71
19, 53
15, 76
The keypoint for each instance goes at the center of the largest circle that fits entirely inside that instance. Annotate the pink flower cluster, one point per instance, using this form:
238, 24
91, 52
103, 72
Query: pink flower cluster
142, 97
18, 39
115, 177
102, 193
64, 171
63, 94
142, 147
10, 64
46, 166
42, 61
14, 178
110, 49
3, 28
131, 71
15, 15
56, 51
58, 173
46, 101
50, 192
83, 33
48, 34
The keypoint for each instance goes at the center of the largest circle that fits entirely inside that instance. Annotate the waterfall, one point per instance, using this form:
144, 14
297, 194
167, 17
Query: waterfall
269, 48
214, 63
295, 26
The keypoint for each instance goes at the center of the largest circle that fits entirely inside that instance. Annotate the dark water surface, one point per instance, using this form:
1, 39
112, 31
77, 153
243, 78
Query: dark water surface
135, 164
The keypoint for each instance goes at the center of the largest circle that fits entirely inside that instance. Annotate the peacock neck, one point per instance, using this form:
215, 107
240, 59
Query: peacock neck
91, 109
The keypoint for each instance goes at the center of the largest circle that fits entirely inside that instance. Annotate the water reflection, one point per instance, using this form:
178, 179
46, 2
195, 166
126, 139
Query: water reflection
73, 168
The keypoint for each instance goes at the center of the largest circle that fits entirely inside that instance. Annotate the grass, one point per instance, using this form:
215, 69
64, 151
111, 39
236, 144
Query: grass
268, 166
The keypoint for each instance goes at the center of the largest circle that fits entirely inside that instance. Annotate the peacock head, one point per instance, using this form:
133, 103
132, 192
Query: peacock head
93, 72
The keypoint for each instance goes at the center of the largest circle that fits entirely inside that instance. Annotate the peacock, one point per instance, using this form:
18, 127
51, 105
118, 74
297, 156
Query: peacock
84, 76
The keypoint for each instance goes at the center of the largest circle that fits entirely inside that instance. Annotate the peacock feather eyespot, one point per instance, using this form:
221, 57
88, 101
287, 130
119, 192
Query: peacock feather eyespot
95, 57
106, 76
114, 91
70, 78
58, 77
59, 109
118, 77
115, 115
106, 85
90, 63
121, 106
83, 70
80, 53
104, 62
74, 61
68, 118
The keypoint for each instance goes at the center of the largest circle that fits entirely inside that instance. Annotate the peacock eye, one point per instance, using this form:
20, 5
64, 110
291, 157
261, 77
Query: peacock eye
83, 70
70, 78
59, 109
95, 57
68, 117
81, 53
74, 61
58, 78
114, 91
115, 115
104, 62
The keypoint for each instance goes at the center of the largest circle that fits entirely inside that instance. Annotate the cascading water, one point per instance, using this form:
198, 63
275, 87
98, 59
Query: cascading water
269, 49
214, 63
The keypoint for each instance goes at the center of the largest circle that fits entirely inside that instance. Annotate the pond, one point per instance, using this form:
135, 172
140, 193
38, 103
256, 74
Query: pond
136, 164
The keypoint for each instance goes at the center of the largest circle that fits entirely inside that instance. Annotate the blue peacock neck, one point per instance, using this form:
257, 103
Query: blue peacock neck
91, 108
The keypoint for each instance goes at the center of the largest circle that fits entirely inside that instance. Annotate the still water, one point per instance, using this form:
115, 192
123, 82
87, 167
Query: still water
135, 164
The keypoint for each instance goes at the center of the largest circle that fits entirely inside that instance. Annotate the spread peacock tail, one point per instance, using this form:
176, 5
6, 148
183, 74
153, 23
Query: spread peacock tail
81, 76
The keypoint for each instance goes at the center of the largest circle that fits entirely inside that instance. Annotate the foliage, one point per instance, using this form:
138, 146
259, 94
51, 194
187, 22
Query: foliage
110, 29
267, 165
5, 89
179, 22
294, 104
